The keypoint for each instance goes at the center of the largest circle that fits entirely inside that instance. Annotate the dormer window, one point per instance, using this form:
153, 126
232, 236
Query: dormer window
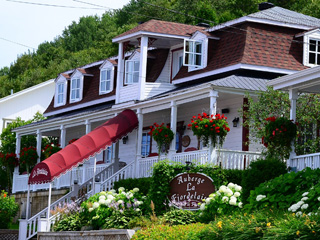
311, 47
60, 97
132, 72
193, 53
314, 52
60, 93
106, 76
76, 86
75, 90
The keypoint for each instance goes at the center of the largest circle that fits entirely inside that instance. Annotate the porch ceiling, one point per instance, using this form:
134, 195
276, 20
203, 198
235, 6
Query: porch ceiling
160, 42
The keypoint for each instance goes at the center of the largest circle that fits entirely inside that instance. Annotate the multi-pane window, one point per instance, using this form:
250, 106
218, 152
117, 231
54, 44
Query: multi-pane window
60, 94
132, 72
105, 80
314, 51
192, 53
75, 89
108, 154
145, 144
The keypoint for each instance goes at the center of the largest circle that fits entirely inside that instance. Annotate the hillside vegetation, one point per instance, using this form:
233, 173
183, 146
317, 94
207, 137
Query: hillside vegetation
90, 39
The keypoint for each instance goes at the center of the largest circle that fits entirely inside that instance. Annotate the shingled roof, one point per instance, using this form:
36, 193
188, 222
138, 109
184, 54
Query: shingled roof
275, 14
163, 27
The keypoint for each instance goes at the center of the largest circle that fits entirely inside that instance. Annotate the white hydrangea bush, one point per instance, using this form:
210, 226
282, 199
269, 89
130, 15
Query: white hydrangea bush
224, 201
308, 204
102, 205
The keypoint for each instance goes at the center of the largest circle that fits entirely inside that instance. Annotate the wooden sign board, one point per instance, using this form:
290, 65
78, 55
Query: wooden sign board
188, 189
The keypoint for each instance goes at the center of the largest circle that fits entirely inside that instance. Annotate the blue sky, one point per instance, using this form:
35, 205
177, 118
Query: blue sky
27, 23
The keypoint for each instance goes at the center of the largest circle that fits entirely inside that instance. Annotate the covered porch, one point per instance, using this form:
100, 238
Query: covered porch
137, 150
305, 81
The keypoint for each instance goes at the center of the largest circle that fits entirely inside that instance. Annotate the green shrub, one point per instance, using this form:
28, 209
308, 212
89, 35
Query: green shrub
119, 207
233, 175
260, 171
8, 209
142, 183
165, 171
262, 225
177, 232
286, 190
179, 217
73, 222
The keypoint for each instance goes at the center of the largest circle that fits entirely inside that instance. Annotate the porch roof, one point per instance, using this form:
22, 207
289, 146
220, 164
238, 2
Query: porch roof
71, 115
238, 82
307, 80
84, 148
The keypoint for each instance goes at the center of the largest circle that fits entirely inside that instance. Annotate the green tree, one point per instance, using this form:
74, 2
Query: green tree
276, 103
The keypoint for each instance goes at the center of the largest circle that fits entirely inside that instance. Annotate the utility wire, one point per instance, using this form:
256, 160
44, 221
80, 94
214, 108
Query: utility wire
52, 5
4, 39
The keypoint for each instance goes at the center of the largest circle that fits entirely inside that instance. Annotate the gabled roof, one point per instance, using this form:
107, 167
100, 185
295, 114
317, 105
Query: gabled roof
163, 27
275, 16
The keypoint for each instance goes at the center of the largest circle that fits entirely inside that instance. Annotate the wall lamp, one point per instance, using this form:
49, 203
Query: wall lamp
235, 122
125, 139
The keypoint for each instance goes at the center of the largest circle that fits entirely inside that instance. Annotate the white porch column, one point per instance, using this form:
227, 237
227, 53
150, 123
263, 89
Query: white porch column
143, 67
39, 140
213, 101
293, 96
139, 141
88, 126
116, 155
16, 169
173, 125
18, 148
62, 136
213, 110
120, 72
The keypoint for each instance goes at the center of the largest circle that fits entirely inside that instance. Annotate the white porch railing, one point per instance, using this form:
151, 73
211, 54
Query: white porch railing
230, 159
301, 162
20, 182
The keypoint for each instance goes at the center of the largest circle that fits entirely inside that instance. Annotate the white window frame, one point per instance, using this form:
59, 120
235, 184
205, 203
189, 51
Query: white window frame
76, 89
190, 53
110, 80
129, 75
57, 93
316, 52
147, 145
177, 55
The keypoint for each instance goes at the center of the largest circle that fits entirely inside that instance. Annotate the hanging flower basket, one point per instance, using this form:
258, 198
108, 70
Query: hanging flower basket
49, 149
279, 134
163, 136
9, 160
214, 127
28, 158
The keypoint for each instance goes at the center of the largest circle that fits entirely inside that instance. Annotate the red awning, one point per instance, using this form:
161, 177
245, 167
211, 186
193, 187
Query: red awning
84, 148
